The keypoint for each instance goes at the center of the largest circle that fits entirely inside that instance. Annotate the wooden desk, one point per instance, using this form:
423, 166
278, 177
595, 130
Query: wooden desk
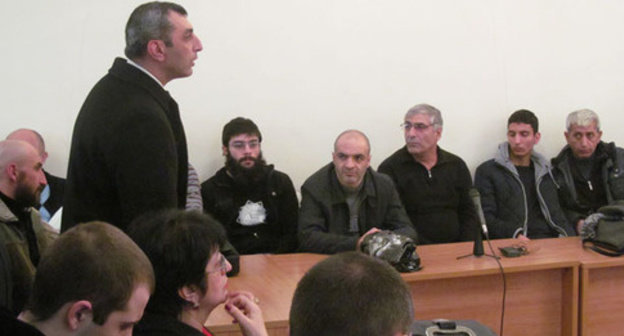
601, 302
542, 287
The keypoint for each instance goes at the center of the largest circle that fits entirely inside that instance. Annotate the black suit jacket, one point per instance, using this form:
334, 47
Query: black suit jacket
128, 153
57, 191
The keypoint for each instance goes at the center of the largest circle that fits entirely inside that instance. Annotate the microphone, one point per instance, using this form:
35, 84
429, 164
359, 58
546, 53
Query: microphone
476, 199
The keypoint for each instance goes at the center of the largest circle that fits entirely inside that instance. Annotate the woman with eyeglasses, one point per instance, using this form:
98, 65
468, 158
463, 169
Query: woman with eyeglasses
191, 280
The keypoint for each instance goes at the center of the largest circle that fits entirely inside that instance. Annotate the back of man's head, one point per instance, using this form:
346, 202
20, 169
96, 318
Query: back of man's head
351, 294
524, 117
32, 137
95, 262
237, 126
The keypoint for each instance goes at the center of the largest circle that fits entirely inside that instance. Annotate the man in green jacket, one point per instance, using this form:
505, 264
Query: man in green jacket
22, 232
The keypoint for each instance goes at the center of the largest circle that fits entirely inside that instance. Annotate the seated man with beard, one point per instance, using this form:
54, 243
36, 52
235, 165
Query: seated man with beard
256, 204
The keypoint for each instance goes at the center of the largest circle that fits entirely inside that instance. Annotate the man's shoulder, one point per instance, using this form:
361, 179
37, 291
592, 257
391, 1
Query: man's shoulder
319, 180
220, 178
399, 155
445, 156
486, 167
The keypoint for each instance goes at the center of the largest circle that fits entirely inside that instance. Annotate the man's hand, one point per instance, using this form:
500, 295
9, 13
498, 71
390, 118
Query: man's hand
523, 238
579, 225
359, 243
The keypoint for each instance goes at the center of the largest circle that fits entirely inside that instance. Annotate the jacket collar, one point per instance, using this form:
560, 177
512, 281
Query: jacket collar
406, 157
121, 69
541, 165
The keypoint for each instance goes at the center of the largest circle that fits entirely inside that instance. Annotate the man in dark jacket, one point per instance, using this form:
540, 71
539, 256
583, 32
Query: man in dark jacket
590, 172
23, 234
256, 204
128, 152
346, 200
432, 183
518, 194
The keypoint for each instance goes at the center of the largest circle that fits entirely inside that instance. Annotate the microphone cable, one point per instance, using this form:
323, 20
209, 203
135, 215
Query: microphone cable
502, 272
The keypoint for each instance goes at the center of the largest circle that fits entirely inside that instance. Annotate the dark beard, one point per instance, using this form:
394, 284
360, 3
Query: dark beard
246, 177
25, 197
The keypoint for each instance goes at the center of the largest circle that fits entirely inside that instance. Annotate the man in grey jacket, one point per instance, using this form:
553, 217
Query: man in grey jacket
346, 200
518, 194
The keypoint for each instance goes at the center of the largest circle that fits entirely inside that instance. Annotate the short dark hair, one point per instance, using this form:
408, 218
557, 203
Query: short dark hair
524, 117
179, 244
149, 21
93, 261
239, 125
351, 294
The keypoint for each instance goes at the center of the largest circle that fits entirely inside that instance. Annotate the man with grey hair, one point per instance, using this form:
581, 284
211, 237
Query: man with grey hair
589, 172
52, 194
128, 153
432, 183
22, 233
346, 200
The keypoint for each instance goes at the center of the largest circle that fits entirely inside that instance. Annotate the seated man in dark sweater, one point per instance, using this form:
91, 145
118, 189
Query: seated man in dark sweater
346, 200
590, 172
256, 203
518, 194
433, 183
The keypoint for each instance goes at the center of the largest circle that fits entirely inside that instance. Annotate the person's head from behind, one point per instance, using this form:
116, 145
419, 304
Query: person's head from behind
583, 133
351, 158
183, 247
422, 128
351, 294
241, 145
522, 133
21, 172
94, 280
33, 138
160, 32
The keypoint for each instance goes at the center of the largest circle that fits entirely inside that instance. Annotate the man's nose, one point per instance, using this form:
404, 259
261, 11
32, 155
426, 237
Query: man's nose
198, 44
42, 178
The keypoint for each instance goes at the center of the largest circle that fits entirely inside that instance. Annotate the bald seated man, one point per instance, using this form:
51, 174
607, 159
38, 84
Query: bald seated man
52, 194
94, 280
23, 234
346, 200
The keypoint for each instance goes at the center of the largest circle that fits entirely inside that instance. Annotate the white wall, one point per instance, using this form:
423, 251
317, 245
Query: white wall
306, 70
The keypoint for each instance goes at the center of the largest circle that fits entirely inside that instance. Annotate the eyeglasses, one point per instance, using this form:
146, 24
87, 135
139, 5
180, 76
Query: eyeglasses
418, 126
253, 144
223, 266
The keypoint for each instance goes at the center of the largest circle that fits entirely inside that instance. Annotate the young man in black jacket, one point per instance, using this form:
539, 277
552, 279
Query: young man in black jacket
518, 194
256, 203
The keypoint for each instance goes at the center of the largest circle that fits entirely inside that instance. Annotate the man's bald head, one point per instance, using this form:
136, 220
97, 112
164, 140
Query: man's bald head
352, 134
21, 173
32, 137
15, 151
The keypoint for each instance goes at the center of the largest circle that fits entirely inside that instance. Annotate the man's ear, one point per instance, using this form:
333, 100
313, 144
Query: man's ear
224, 150
190, 294
78, 314
156, 50
12, 171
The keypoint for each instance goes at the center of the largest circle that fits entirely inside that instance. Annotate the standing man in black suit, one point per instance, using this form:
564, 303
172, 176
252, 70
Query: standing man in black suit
128, 153
52, 194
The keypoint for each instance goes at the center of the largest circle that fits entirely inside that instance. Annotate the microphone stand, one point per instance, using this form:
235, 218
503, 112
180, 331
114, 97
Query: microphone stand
477, 249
